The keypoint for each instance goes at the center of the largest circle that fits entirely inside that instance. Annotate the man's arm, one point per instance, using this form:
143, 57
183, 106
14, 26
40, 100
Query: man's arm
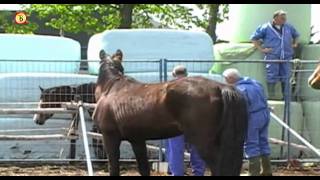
259, 34
257, 44
295, 42
295, 36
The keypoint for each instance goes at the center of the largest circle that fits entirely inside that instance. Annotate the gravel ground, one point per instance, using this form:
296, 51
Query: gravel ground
128, 170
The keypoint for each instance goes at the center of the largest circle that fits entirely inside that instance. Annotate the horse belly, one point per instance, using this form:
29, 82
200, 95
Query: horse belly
150, 126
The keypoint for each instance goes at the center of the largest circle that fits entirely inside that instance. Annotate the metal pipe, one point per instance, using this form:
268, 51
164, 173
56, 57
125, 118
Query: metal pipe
243, 61
32, 130
35, 111
85, 140
294, 133
35, 137
122, 160
67, 160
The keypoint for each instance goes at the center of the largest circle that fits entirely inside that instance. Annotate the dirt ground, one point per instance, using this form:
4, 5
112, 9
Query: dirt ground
129, 170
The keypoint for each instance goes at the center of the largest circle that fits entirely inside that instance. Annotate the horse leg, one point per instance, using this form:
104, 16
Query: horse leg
72, 131
112, 146
97, 144
140, 151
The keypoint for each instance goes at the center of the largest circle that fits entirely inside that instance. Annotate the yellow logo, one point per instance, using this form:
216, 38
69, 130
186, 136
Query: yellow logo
21, 18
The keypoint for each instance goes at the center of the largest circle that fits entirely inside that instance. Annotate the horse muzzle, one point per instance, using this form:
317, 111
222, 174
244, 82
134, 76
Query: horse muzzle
36, 119
314, 82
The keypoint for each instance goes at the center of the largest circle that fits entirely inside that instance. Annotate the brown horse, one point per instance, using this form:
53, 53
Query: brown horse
211, 115
314, 79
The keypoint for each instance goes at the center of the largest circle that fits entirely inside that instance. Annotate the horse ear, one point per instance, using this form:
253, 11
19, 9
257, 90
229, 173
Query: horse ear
41, 89
102, 54
119, 54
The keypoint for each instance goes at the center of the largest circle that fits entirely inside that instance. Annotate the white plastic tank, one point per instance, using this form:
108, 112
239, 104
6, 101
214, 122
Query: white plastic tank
26, 53
153, 45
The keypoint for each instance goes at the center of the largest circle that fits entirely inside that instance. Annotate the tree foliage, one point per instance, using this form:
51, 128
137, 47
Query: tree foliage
94, 18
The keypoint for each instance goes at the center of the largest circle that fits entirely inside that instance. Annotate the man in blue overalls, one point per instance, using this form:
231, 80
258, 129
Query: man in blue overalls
279, 40
256, 145
176, 145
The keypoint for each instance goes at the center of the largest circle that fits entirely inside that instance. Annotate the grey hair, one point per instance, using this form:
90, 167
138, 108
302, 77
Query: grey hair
179, 70
279, 13
232, 72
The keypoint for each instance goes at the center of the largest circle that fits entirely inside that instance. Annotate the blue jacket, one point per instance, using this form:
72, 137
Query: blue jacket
280, 43
254, 94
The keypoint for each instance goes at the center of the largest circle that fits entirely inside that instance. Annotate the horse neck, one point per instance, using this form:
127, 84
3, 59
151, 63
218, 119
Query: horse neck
107, 79
105, 76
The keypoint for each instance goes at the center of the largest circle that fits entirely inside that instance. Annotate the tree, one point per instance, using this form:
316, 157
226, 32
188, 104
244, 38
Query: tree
213, 15
93, 18
126, 11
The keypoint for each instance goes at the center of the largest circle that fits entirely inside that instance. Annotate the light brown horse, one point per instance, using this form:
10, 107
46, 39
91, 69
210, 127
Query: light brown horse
211, 115
314, 79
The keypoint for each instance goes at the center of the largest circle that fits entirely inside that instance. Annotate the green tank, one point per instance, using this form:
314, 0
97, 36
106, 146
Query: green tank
245, 52
306, 93
312, 115
244, 19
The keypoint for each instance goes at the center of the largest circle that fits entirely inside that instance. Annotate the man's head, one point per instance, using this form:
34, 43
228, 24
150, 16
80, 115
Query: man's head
280, 17
179, 71
231, 75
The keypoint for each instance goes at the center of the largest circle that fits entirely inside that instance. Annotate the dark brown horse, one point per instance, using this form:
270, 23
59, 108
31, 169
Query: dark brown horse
211, 115
55, 96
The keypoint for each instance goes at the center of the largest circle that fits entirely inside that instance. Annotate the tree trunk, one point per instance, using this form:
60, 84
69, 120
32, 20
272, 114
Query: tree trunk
213, 17
126, 16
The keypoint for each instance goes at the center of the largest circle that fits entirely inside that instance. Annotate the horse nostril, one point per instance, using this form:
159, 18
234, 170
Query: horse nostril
39, 122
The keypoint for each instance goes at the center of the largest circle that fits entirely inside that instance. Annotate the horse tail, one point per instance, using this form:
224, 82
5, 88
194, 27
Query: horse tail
232, 133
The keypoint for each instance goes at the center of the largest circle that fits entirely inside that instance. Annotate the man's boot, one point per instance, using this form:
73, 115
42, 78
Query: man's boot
266, 166
254, 166
283, 89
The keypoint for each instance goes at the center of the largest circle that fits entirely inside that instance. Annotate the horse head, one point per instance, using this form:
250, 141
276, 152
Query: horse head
314, 79
110, 66
52, 98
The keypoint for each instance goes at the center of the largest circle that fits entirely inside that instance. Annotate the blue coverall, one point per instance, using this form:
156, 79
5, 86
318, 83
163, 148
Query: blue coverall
256, 143
175, 157
281, 43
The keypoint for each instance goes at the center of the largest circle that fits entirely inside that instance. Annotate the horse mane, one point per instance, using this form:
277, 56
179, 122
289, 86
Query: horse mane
110, 84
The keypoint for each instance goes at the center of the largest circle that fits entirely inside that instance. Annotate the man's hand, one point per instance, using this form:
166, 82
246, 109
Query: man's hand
295, 45
266, 50
257, 44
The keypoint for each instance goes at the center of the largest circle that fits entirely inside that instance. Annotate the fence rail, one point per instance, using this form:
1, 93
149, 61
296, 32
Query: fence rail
21, 93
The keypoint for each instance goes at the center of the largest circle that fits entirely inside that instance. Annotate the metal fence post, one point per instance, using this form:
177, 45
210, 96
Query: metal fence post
160, 70
161, 141
85, 140
288, 92
285, 113
165, 75
165, 70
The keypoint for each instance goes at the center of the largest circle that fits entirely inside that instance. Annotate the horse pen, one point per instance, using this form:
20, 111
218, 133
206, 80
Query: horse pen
64, 145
